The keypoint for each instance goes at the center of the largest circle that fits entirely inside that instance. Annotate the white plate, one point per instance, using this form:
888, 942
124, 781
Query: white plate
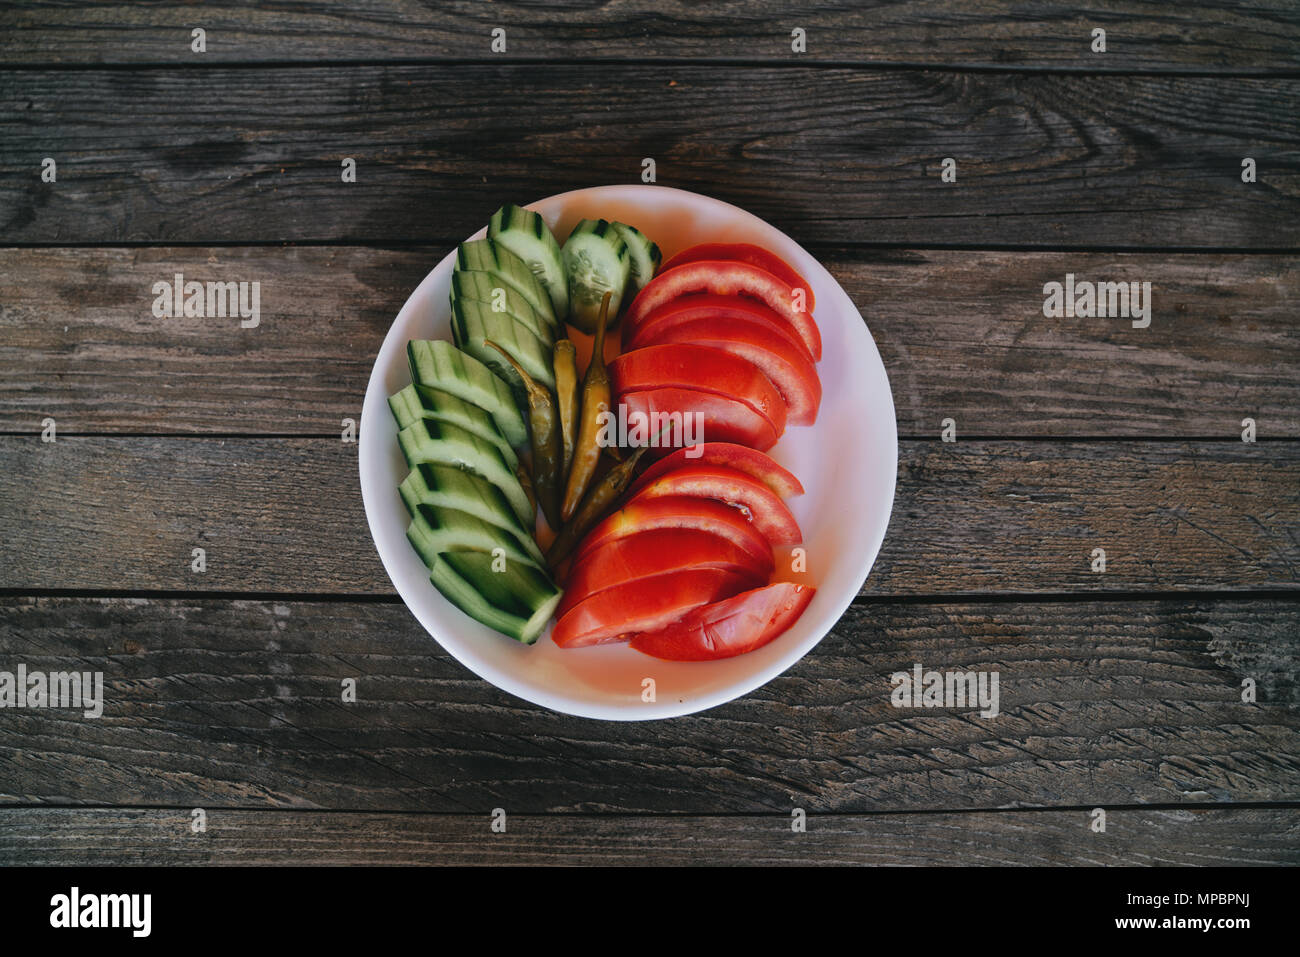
847, 463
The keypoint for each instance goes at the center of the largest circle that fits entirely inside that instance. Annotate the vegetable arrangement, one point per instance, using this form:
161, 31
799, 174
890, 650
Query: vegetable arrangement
675, 556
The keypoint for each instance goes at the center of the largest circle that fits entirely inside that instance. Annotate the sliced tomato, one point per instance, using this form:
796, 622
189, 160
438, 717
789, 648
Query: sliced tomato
721, 417
684, 365
787, 366
781, 481
705, 306
658, 552
643, 605
729, 627
746, 253
678, 513
732, 487
722, 278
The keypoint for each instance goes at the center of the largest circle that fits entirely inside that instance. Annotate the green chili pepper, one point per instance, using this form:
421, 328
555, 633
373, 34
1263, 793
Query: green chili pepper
602, 497
545, 432
566, 392
526, 483
595, 402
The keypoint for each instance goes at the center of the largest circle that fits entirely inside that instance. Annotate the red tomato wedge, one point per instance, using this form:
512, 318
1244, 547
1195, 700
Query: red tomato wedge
643, 605
704, 306
731, 487
678, 513
722, 418
729, 627
722, 278
683, 365
788, 366
747, 460
645, 555
746, 253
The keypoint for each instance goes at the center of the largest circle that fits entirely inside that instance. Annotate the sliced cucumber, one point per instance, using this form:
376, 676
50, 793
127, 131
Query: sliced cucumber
421, 402
526, 234
489, 289
517, 602
474, 323
486, 255
443, 486
596, 261
434, 530
522, 591
430, 442
644, 254
406, 406
440, 365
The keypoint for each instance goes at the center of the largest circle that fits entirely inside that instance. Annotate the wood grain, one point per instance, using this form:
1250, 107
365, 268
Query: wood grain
79, 341
228, 698
832, 155
1134, 837
1201, 35
962, 335
285, 515
214, 703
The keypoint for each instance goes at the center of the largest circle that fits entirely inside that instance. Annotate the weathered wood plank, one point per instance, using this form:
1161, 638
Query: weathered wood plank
237, 704
962, 335
79, 341
285, 515
1134, 837
1201, 35
831, 155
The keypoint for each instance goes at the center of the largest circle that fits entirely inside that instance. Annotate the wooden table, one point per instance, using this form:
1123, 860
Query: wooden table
1121, 689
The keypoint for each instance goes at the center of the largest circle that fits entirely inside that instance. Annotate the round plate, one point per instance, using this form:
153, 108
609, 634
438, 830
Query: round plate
847, 463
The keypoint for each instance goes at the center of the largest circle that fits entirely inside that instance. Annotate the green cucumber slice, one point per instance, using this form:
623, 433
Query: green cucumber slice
421, 402
489, 289
517, 602
436, 529
522, 591
431, 442
596, 261
526, 234
444, 486
644, 254
440, 365
487, 255
474, 323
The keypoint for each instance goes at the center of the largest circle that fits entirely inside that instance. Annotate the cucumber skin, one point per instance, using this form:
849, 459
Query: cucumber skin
645, 255
465, 531
415, 402
476, 286
473, 324
470, 455
405, 406
519, 588
416, 489
526, 234
464, 595
488, 255
440, 365
598, 237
